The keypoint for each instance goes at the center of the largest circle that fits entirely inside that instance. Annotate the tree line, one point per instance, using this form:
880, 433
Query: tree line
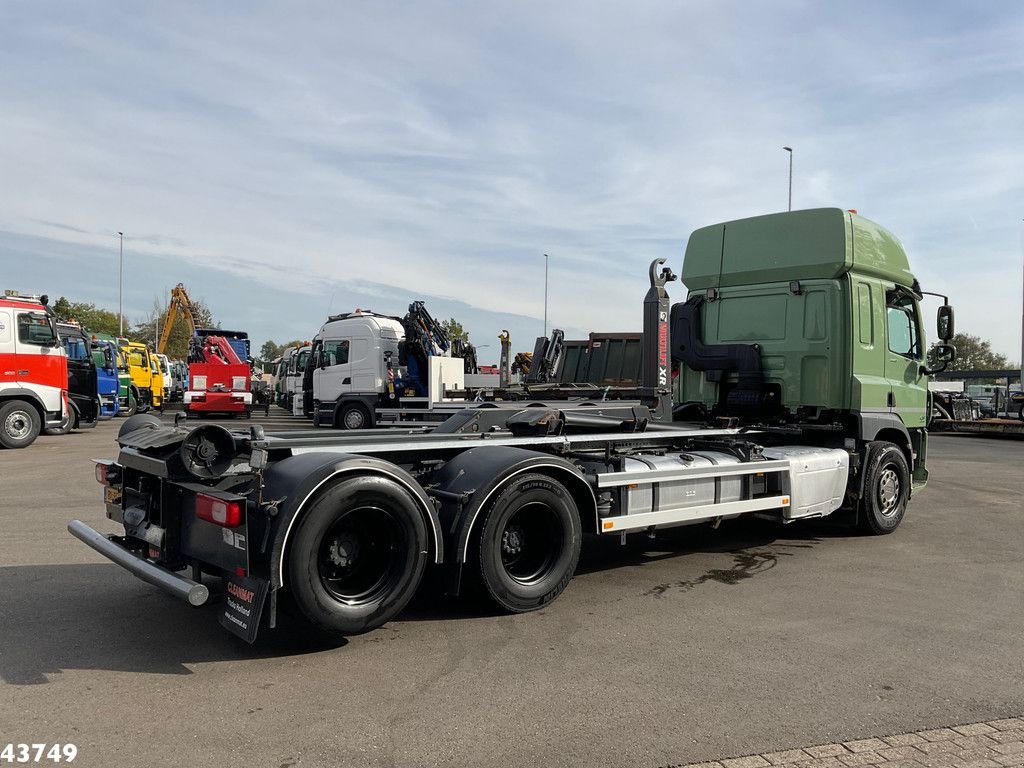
97, 319
974, 353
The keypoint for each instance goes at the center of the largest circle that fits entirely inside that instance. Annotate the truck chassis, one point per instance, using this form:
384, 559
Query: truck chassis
347, 525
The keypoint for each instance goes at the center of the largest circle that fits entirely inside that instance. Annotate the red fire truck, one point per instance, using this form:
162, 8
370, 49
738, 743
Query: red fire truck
33, 370
219, 380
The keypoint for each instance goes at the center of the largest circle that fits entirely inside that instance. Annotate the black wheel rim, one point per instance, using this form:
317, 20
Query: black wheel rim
359, 559
531, 542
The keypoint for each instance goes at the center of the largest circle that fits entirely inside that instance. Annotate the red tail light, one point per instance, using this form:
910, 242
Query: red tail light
107, 473
219, 511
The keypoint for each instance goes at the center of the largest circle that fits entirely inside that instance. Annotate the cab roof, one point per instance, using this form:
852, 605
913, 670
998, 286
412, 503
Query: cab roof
798, 245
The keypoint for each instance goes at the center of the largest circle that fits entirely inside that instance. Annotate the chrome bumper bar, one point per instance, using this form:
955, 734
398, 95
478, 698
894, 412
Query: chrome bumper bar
190, 591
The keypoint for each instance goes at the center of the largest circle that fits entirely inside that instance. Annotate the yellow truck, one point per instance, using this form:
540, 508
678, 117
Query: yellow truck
145, 372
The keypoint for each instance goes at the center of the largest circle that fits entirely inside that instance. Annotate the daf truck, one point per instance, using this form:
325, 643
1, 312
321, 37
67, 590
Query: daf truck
801, 391
82, 379
108, 383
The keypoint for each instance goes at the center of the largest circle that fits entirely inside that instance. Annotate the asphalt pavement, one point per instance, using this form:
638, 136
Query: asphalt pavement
692, 646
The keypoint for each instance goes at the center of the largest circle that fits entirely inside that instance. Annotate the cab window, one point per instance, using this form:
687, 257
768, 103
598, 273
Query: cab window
35, 328
137, 359
335, 352
902, 327
76, 349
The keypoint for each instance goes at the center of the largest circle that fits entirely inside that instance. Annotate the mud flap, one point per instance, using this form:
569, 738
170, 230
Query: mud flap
244, 599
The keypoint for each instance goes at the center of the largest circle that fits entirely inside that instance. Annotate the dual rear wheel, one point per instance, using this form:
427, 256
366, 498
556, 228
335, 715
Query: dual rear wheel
360, 551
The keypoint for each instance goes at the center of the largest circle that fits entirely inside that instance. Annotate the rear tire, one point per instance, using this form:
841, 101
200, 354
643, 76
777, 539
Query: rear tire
529, 543
19, 424
886, 489
358, 555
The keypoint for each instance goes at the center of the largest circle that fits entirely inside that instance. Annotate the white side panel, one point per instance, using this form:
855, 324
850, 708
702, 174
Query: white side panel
817, 478
445, 373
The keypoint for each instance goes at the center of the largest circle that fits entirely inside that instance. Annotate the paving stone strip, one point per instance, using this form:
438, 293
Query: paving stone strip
995, 744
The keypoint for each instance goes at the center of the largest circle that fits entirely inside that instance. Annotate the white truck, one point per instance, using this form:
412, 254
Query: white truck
357, 368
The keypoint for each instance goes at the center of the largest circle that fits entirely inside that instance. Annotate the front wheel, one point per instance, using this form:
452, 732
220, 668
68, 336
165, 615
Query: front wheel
353, 416
529, 543
19, 424
886, 488
132, 407
359, 555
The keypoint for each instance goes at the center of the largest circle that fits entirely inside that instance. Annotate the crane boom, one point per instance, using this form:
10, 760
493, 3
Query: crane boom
180, 304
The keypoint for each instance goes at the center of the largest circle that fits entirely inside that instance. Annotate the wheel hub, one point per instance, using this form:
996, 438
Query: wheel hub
344, 551
888, 491
512, 541
17, 425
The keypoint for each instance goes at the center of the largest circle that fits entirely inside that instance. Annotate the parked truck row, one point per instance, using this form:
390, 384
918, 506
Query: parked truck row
99, 376
790, 383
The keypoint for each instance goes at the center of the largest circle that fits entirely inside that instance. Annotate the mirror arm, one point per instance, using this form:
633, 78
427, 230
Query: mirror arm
932, 371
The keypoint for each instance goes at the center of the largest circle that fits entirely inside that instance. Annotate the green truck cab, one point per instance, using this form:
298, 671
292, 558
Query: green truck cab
810, 321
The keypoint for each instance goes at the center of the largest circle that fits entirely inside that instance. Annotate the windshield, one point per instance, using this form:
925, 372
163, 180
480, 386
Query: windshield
76, 348
36, 328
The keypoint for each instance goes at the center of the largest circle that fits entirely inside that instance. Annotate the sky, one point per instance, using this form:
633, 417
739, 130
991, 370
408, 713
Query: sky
290, 160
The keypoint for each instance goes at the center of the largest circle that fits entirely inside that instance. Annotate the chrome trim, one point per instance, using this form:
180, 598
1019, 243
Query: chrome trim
613, 479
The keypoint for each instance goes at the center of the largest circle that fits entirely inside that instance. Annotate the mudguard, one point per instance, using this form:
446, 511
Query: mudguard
289, 484
466, 483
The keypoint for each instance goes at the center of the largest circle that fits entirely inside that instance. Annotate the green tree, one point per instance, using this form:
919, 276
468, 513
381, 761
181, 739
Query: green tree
181, 333
454, 329
973, 354
270, 350
91, 317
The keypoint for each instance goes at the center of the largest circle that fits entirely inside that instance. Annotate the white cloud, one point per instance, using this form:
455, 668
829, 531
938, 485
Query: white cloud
443, 149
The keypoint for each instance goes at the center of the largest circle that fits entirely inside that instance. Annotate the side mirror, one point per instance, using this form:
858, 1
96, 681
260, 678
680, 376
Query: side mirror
944, 323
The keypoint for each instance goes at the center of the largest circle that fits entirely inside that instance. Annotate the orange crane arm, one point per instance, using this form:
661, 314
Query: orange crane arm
180, 303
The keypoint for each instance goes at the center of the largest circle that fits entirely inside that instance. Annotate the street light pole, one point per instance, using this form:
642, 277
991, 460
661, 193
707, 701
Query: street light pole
1021, 314
790, 150
545, 295
120, 288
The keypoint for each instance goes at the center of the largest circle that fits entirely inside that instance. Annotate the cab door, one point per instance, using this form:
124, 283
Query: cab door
81, 376
334, 372
904, 358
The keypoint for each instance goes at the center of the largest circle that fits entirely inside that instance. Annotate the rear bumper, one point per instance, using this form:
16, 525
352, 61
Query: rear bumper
218, 402
191, 592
